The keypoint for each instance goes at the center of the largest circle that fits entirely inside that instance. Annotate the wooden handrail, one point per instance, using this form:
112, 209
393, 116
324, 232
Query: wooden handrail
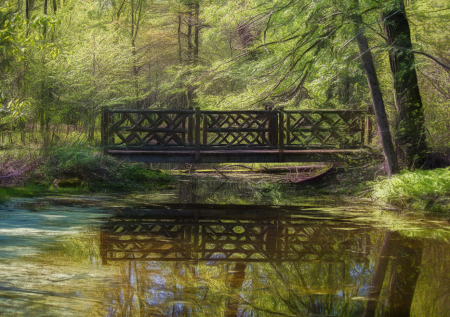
276, 129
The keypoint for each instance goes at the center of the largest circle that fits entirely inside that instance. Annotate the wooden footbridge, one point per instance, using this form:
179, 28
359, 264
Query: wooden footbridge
195, 136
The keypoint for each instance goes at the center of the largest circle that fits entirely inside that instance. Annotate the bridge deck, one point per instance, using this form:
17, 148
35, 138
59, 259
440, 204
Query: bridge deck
239, 156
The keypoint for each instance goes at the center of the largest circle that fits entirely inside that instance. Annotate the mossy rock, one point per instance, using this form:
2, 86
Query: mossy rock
68, 183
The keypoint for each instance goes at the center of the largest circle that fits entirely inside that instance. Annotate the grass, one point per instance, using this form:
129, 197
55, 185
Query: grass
30, 190
427, 190
98, 172
81, 168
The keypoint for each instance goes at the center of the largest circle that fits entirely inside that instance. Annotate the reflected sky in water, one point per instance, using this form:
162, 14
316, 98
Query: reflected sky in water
178, 256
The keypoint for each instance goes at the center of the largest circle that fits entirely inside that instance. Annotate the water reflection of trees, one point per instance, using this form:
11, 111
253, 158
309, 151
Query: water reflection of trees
224, 190
252, 243
432, 296
183, 262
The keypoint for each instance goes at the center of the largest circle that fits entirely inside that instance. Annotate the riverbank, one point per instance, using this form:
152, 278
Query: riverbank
82, 170
419, 190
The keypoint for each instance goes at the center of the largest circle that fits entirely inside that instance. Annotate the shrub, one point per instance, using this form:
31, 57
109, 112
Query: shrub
420, 189
99, 172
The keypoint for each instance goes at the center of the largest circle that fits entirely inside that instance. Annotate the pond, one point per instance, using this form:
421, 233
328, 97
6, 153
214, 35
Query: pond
218, 247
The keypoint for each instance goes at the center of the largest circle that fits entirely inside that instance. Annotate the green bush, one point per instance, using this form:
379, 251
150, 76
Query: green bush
99, 172
421, 189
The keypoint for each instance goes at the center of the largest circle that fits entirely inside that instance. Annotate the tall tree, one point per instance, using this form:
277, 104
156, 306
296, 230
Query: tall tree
377, 97
410, 123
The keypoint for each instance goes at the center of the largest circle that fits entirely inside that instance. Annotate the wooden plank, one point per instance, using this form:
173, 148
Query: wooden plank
147, 111
316, 129
238, 129
154, 130
234, 259
224, 152
325, 111
227, 156
233, 112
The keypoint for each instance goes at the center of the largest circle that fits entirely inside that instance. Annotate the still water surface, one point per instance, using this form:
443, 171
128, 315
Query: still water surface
214, 248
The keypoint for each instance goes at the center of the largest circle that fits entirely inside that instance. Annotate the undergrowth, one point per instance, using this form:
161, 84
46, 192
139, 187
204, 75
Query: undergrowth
84, 166
30, 190
99, 172
420, 190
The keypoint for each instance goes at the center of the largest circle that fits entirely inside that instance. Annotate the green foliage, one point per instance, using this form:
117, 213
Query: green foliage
63, 66
12, 114
100, 172
29, 190
421, 189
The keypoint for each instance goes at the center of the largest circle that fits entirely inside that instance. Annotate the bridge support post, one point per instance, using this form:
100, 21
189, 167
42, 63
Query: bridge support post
205, 130
274, 127
104, 127
197, 134
190, 128
369, 125
281, 134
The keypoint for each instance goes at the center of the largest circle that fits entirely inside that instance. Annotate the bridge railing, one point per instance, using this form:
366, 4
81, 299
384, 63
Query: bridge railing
325, 128
209, 130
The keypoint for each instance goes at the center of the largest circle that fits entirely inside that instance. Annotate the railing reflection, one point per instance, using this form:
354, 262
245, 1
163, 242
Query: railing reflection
231, 233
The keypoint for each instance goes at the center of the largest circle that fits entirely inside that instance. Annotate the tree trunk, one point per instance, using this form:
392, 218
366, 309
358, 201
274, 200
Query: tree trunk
45, 13
136, 8
235, 284
179, 39
196, 30
405, 270
379, 274
27, 10
189, 34
410, 123
377, 98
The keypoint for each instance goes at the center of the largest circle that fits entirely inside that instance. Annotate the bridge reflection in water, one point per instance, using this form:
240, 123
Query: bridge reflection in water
231, 233
231, 259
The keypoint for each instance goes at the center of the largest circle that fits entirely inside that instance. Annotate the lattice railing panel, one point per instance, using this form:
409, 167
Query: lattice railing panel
238, 128
149, 128
210, 130
322, 129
